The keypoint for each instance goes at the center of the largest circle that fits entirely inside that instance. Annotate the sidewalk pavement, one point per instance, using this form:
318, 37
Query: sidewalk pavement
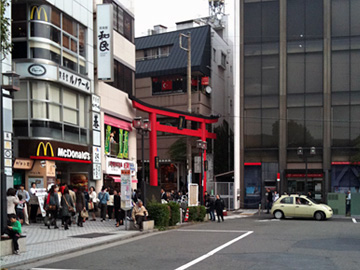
43, 243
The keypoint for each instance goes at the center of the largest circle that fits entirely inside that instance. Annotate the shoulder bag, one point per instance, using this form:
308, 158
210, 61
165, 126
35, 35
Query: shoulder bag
71, 209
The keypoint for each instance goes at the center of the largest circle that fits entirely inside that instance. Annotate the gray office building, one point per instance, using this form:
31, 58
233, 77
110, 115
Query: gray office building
300, 97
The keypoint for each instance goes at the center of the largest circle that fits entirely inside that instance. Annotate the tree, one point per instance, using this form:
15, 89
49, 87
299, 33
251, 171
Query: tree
5, 32
177, 150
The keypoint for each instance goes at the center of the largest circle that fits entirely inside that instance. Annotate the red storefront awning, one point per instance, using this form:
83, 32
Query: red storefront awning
115, 122
117, 179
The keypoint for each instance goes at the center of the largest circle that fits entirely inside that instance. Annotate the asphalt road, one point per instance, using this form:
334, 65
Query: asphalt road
246, 243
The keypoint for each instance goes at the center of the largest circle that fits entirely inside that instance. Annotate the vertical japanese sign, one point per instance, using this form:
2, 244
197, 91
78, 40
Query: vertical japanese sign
96, 127
105, 54
125, 190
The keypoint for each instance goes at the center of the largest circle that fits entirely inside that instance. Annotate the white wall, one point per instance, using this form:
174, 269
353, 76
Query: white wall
124, 50
221, 80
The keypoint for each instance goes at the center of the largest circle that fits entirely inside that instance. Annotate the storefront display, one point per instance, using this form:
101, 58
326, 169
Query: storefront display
79, 180
55, 162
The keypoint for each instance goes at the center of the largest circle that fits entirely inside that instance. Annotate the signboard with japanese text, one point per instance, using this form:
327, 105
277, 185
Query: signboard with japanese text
96, 171
73, 80
96, 121
115, 166
104, 37
95, 103
23, 163
126, 190
53, 73
96, 154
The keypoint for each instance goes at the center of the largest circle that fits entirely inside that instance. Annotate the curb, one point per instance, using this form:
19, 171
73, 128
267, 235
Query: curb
68, 251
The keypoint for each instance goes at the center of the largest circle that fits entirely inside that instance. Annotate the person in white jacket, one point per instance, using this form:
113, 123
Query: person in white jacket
92, 203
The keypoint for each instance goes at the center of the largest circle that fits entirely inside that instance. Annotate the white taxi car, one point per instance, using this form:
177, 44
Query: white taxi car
300, 206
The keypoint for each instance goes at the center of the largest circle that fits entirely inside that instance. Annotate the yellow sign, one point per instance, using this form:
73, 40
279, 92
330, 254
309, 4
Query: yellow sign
38, 10
44, 147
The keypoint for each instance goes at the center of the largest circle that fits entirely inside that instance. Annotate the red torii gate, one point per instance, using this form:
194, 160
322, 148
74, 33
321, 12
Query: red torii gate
153, 111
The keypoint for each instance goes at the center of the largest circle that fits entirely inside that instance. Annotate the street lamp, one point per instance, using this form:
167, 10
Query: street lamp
202, 146
300, 153
143, 127
11, 82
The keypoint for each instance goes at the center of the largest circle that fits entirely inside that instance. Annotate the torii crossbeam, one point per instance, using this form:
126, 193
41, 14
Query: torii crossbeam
153, 111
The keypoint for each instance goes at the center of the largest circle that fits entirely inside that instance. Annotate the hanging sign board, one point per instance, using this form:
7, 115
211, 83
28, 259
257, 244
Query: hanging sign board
104, 36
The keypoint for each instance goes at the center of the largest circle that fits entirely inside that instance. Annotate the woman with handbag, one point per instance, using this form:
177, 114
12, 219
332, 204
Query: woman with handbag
52, 206
67, 208
80, 206
92, 203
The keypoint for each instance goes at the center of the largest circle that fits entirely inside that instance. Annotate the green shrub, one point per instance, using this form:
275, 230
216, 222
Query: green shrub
160, 213
197, 213
174, 214
193, 213
202, 213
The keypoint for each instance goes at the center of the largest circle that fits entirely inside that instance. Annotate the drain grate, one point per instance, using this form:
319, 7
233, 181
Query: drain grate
91, 235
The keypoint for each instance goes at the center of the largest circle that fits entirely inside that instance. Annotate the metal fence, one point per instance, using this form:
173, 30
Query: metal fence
337, 201
226, 191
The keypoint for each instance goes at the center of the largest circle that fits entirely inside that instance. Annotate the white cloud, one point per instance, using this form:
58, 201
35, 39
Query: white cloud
166, 12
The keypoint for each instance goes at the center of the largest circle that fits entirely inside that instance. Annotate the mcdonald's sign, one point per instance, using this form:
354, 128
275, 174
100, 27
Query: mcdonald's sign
38, 10
44, 147
54, 150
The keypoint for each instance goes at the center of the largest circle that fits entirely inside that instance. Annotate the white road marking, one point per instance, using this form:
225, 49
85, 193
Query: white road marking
207, 255
267, 220
354, 220
214, 231
235, 217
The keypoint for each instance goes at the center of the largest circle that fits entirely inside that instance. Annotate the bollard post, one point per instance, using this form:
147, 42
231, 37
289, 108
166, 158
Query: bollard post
259, 208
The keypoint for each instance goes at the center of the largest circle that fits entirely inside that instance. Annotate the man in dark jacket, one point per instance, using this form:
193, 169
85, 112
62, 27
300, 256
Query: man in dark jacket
163, 196
219, 207
269, 200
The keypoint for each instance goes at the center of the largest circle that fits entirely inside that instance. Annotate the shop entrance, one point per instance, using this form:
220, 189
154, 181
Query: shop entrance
314, 186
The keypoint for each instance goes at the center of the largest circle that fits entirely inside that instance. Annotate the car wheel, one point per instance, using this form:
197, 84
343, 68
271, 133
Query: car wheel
279, 214
319, 216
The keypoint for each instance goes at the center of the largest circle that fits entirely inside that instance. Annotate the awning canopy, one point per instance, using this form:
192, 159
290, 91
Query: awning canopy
115, 122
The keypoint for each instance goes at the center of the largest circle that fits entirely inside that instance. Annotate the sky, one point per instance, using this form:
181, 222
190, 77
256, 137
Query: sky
167, 12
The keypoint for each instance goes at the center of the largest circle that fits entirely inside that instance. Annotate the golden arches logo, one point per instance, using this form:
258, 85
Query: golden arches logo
38, 12
44, 147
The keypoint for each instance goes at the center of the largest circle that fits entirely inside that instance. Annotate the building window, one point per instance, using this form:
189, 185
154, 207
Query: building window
53, 36
168, 84
345, 63
223, 60
123, 78
153, 53
61, 110
123, 23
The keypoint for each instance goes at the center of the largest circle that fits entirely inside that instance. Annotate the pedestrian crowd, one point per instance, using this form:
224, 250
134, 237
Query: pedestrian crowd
75, 205
68, 204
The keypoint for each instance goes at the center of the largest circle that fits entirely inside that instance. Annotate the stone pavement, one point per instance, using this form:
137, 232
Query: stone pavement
44, 243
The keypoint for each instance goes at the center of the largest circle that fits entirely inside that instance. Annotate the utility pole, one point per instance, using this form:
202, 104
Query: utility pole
188, 141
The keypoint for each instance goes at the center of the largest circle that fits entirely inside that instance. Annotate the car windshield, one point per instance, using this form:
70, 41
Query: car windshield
314, 202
